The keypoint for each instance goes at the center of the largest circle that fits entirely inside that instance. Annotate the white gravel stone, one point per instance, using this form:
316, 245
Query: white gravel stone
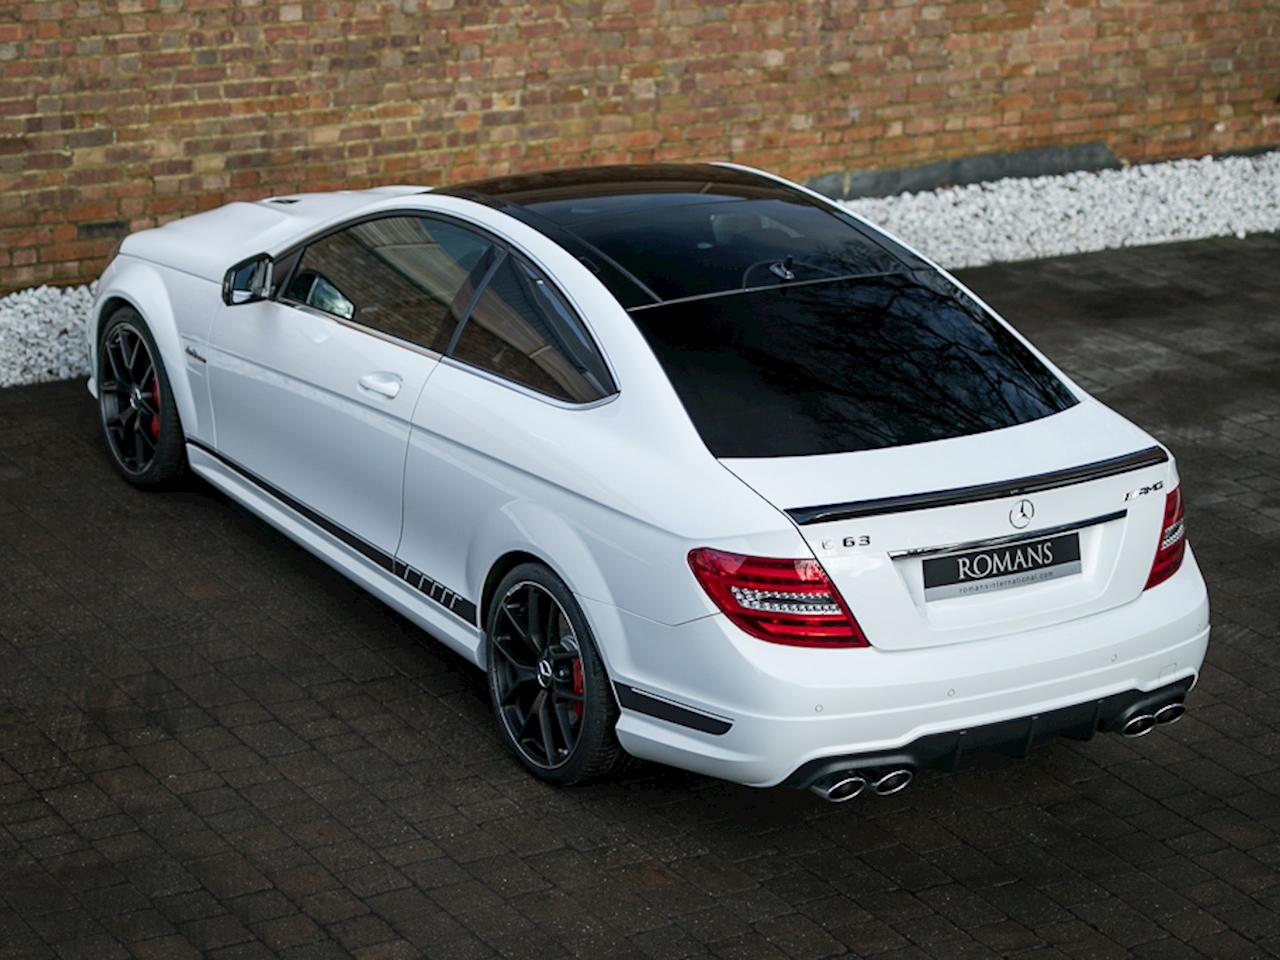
1026, 219
42, 335
42, 330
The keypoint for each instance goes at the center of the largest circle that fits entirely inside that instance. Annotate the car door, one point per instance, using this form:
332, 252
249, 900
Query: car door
313, 389
488, 425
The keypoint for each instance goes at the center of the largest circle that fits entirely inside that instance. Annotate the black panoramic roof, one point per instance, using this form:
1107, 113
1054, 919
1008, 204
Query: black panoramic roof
527, 189
655, 233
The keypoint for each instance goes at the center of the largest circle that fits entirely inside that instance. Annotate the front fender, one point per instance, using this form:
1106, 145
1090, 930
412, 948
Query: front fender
142, 287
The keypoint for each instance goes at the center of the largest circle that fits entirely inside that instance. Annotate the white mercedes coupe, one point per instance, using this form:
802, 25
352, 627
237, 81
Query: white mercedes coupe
698, 466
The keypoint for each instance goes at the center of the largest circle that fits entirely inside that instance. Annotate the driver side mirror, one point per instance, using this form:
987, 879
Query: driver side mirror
247, 281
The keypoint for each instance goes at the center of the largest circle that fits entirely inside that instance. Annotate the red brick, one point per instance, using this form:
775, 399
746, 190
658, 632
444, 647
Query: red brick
170, 111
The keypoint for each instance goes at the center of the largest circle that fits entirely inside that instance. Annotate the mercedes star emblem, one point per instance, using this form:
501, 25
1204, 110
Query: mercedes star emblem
1021, 514
544, 673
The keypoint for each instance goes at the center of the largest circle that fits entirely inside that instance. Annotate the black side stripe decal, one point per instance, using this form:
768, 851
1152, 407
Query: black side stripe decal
437, 593
987, 491
632, 699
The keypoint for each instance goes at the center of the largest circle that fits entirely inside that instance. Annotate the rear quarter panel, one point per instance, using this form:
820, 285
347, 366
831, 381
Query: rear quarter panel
492, 470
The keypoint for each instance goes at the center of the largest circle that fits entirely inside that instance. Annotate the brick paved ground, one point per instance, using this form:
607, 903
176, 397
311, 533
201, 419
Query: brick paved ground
212, 744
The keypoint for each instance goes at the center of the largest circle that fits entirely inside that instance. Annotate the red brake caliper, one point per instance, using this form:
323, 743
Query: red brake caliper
579, 685
154, 429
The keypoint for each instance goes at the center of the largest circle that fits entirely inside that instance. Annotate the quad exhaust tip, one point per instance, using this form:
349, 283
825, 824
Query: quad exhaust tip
893, 782
1139, 726
1144, 723
1170, 712
846, 786
838, 791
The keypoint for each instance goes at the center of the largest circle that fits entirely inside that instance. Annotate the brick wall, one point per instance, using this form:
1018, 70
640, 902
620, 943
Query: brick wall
121, 114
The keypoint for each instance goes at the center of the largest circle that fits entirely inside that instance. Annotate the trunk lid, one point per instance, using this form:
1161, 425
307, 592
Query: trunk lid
980, 536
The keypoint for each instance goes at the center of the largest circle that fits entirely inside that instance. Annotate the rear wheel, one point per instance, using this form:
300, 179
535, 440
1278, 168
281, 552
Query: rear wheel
139, 416
548, 686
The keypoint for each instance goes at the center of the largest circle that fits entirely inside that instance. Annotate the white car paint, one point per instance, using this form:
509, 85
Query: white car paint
833, 703
459, 469
1115, 554
300, 400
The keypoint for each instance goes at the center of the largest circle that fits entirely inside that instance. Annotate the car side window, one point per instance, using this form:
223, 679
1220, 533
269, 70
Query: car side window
522, 329
405, 276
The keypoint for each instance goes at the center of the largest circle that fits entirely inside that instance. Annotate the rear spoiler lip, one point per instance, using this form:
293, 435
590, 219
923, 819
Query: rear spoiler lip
803, 516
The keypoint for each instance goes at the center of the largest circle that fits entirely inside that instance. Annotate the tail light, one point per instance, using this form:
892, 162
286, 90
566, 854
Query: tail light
1173, 540
782, 601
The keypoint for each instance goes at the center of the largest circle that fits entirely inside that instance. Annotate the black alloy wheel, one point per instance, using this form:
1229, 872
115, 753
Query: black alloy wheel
139, 417
549, 689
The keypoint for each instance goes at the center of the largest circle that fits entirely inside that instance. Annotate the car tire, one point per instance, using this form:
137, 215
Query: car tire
548, 686
138, 413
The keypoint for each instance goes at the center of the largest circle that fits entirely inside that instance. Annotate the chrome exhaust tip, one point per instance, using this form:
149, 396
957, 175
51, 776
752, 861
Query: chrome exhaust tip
1171, 712
1139, 726
839, 790
893, 782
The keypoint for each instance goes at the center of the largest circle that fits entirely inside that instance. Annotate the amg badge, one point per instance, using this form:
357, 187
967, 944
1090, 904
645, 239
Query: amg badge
998, 568
1143, 491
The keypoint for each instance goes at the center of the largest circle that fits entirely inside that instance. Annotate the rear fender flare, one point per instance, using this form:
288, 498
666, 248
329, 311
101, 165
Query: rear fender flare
523, 526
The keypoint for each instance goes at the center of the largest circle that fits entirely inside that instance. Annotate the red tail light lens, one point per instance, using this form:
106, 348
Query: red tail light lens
782, 601
1173, 541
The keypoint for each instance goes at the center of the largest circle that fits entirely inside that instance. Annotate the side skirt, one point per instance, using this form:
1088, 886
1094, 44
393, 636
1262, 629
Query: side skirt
436, 610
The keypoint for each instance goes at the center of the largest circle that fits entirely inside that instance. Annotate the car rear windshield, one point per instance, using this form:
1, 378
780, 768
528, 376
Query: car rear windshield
854, 364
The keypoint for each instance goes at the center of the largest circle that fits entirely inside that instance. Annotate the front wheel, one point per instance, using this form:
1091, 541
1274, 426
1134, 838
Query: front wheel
139, 416
548, 686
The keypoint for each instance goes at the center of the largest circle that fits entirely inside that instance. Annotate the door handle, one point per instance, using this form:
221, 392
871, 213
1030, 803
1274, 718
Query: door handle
383, 384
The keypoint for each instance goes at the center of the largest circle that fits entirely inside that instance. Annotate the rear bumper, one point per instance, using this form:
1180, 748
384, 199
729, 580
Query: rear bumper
705, 697
1014, 737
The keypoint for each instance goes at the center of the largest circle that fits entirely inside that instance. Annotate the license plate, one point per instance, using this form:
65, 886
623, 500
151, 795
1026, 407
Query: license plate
999, 568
